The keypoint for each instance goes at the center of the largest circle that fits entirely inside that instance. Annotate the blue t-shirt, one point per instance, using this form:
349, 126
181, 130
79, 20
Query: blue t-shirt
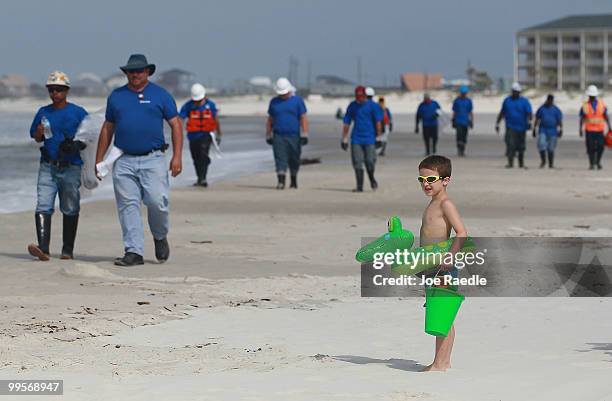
428, 112
462, 108
364, 117
188, 107
139, 117
516, 111
550, 118
286, 114
64, 124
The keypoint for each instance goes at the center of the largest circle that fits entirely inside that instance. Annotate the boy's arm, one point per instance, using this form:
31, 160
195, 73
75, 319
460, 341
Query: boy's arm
451, 213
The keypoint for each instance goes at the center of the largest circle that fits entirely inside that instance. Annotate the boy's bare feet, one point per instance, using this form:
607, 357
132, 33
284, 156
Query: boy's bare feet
435, 368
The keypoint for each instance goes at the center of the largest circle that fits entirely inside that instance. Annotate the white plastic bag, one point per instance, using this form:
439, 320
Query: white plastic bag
89, 132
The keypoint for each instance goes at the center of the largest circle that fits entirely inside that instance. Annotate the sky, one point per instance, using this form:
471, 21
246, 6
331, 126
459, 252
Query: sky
221, 41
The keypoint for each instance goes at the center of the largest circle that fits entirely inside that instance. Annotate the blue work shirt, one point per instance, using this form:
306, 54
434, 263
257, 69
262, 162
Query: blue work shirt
286, 115
462, 107
550, 118
516, 111
428, 113
64, 124
364, 117
139, 117
191, 105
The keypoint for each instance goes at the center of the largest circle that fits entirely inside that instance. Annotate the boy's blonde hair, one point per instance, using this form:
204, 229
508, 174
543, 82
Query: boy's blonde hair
440, 164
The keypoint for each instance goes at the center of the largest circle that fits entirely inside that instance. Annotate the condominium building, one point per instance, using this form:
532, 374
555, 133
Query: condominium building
565, 54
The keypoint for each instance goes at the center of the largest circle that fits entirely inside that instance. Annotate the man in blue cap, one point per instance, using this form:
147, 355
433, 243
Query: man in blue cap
134, 116
463, 118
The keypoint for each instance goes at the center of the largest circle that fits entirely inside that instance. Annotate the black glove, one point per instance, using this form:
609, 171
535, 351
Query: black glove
528, 126
471, 124
453, 123
269, 141
533, 133
70, 147
390, 127
378, 144
344, 145
218, 138
416, 130
560, 133
303, 140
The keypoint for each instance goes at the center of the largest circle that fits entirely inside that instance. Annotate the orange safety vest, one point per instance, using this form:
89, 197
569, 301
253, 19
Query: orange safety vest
201, 121
594, 120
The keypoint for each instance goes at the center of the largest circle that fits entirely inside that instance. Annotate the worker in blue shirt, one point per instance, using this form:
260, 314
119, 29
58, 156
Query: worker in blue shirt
135, 115
516, 110
549, 120
286, 131
366, 119
59, 173
428, 112
463, 118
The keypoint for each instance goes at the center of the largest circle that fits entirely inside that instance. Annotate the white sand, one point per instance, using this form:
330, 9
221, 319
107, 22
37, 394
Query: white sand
270, 310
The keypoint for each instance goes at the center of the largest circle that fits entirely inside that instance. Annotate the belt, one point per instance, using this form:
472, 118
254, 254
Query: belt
163, 148
58, 163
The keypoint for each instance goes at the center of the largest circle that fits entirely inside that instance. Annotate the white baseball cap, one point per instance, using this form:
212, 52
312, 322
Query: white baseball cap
592, 91
198, 92
516, 87
58, 78
370, 91
283, 86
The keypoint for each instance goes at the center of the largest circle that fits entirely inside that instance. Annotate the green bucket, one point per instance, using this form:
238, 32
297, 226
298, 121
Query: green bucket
441, 308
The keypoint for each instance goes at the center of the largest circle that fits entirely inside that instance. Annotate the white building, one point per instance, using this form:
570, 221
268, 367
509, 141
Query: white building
566, 54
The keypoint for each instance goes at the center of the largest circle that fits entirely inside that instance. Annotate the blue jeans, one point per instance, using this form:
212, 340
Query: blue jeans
65, 181
287, 151
363, 154
547, 142
141, 179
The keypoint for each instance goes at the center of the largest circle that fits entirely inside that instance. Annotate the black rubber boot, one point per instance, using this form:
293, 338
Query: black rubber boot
281, 181
551, 159
542, 158
293, 181
510, 162
43, 234
359, 178
520, 160
162, 249
69, 231
373, 182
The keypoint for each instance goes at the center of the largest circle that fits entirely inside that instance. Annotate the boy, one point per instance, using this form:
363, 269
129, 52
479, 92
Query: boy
439, 218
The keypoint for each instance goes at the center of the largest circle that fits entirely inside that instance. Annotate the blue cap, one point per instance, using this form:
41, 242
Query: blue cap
463, 89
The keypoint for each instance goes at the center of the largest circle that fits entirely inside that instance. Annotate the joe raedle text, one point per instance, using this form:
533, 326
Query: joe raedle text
404, 280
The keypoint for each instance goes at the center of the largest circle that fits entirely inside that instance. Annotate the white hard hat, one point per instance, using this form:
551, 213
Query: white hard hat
370, 91
198, 92
516, 87
592, 91
283, 86
58, 78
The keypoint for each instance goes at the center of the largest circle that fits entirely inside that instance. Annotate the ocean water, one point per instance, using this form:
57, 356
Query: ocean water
243, 147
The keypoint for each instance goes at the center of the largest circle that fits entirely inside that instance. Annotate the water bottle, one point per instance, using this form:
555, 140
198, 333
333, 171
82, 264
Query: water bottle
47, 127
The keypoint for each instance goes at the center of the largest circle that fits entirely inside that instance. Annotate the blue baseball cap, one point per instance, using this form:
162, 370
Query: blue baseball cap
463, 89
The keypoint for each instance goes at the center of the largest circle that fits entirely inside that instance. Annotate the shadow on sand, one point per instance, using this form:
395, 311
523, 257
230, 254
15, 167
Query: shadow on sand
408, 365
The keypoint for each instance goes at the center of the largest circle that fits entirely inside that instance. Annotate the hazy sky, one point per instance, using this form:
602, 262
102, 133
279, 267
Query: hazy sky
228, 39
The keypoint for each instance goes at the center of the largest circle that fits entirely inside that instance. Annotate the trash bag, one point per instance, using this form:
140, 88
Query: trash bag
88, 133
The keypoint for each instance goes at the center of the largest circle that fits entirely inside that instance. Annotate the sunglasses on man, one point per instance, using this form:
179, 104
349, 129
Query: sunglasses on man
429, 178
60, 89
136, 71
